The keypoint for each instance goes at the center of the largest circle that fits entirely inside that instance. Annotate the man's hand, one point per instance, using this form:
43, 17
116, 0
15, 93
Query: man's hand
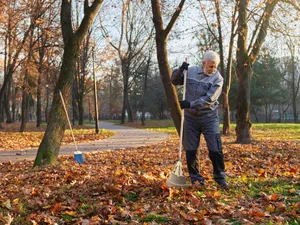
185, 104
184, 66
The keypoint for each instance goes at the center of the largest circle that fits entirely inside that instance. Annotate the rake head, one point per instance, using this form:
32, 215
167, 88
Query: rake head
176, 178
78, 157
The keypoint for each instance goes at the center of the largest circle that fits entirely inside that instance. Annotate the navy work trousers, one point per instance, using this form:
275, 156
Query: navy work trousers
206, 123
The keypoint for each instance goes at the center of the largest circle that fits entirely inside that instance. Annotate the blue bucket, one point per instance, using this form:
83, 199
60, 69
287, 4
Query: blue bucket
78, 157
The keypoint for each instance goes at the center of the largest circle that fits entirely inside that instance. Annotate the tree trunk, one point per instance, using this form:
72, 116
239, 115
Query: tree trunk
244, 72
145, 86
227, 80
24, 114
126, 102
42, 47
243, 124
7, 102
80, 108
226, 113
13, 104
165, 72
39, 103
124, 108
129, 110
255, 114
161, 35
245, 59
6, 105
266, 112
49, 147
75, 113
295, 85
25, 95
10, 69
144, 95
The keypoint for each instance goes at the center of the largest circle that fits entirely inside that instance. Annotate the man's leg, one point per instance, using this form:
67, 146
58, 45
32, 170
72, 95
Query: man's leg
211, 131
191, 142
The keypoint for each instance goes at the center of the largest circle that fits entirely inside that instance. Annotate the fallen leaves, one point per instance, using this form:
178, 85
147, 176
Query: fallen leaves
128, 187
11, 139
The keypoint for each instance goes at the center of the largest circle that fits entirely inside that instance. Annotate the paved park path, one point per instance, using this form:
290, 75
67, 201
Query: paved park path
125, 137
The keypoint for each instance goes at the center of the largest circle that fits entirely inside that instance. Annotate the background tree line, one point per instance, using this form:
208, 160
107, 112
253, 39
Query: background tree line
132, 46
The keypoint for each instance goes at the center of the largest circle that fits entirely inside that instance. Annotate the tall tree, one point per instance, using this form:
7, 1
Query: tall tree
25, 88
247, 55
226, 71
81, 75
134, 35
48, 35
13, 63
294, 81
161, 36
145, 83
49, 148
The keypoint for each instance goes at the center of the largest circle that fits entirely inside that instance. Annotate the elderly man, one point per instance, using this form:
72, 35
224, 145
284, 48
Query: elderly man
203, 88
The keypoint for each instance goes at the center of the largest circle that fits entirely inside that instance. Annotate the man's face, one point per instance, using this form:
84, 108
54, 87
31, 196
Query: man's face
209, 67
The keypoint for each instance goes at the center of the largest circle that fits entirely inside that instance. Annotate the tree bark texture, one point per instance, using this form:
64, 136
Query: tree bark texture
244, 72
49, 148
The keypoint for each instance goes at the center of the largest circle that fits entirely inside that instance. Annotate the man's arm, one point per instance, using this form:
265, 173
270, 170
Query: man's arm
211, 97
177, 77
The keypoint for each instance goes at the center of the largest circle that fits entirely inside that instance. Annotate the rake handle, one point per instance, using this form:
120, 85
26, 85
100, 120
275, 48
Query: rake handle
65, 109
182, 113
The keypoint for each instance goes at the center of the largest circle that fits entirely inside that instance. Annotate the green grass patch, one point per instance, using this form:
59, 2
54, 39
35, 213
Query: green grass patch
151, 217
131, 196
294, 221
84, 207
260, 131
234, 222
280, 187
169, 130
276, 131
67, 217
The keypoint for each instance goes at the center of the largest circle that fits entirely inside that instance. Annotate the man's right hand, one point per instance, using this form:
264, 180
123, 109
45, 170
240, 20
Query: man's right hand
184, 66
184, 104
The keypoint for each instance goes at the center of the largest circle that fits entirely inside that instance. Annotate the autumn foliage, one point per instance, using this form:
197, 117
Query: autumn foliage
11, 139
128, 187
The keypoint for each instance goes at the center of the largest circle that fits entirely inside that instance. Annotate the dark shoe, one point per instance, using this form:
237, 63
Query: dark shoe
224, 186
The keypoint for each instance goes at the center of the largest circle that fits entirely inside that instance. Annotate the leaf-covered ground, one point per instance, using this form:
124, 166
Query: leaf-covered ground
12, 139
128, 187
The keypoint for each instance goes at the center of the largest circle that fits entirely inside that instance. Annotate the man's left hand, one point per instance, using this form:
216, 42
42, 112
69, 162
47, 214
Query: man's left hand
185, 104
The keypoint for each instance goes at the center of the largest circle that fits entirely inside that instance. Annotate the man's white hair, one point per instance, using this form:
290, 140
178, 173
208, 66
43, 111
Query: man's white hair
211, 55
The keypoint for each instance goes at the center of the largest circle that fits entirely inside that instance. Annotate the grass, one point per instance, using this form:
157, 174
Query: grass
154, 217
275, 131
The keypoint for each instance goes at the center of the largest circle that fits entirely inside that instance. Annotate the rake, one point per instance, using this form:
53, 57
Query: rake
77, 154
176, 178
